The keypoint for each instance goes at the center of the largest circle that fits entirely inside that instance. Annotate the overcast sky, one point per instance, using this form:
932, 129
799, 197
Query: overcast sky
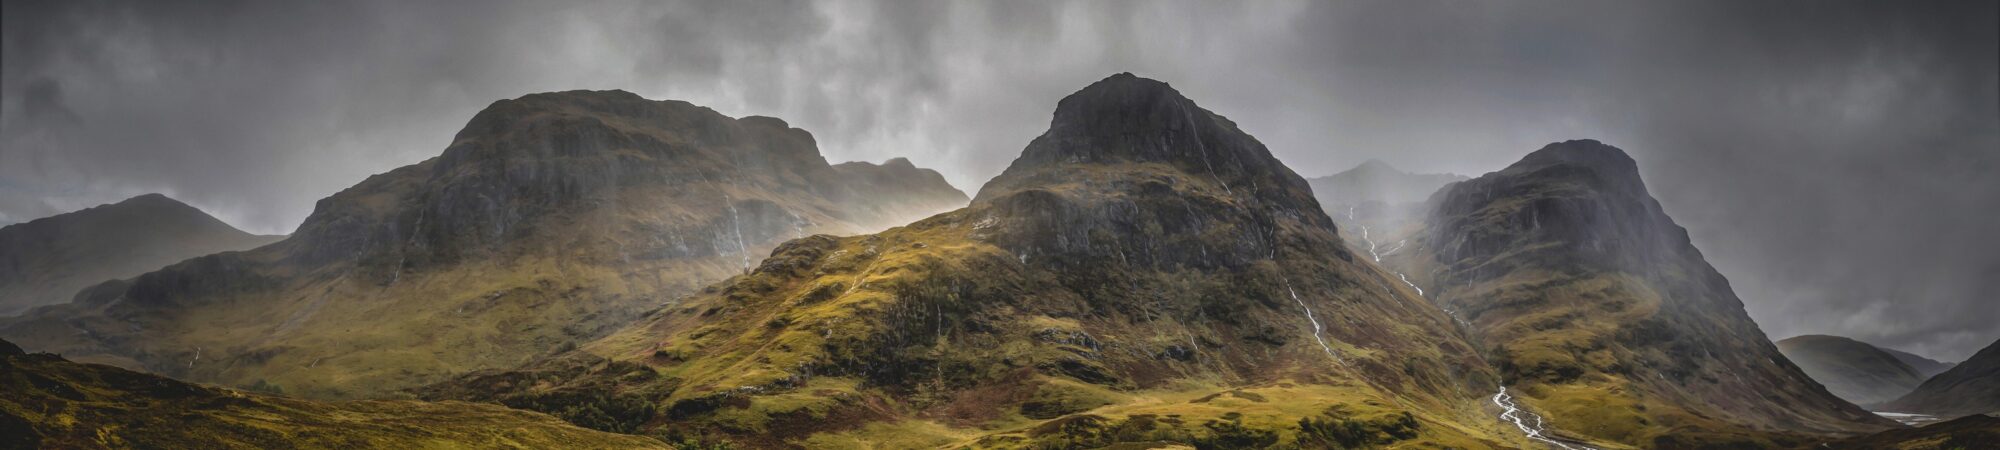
1840, 162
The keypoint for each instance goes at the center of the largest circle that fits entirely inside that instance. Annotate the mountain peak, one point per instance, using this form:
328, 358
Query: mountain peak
152, 197
152, 204
1124, 118
1580, 152
1128, 150
48, 260
1375, 165
1852, 370
1129, 127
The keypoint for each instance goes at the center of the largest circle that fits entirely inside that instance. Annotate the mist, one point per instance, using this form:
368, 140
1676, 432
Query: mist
1833, 159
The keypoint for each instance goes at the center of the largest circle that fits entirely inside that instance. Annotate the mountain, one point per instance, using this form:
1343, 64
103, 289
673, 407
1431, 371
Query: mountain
1377, 182
1925, 366
53, 403
1144, 273
895, 192
1598, 311
1971, 387
1857, 372
549, 220
1377, 197
47, 260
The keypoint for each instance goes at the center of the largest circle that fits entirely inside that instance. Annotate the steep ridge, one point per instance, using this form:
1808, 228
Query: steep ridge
50, 402
1144, 272
1855, 371
1925, 366
1971, 387
549, 220
1598, 311
46, 261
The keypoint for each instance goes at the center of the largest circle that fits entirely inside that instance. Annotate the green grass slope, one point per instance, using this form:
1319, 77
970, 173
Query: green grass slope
50, 403
1975, 432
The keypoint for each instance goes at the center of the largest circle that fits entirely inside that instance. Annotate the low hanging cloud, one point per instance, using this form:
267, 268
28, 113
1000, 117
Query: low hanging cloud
1832, 158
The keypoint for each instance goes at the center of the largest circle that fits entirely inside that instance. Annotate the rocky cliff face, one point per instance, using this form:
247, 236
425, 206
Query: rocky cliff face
1144, 272
1857, 372
46, 261
1971, 387
549, 220
1595, 307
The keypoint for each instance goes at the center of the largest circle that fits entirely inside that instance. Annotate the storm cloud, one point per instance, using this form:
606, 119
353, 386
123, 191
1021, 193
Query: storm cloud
1836, 160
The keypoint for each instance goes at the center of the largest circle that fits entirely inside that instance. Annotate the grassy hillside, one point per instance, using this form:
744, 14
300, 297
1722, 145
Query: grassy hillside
1967, 433
49, 402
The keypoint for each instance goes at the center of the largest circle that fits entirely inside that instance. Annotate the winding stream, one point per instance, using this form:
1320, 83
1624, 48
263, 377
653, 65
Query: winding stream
1514, 414
1511, 412
1310, 318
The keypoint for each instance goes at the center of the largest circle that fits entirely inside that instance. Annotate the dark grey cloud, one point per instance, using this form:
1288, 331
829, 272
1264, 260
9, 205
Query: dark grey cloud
1833, 158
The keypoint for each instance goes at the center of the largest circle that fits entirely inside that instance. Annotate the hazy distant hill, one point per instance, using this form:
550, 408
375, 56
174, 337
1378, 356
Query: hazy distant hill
1971, 387
53, 403
1144, 274
1855, 371
48, 260
1925, 366
1376, 181
549, 219
1374, 199
1597, 309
